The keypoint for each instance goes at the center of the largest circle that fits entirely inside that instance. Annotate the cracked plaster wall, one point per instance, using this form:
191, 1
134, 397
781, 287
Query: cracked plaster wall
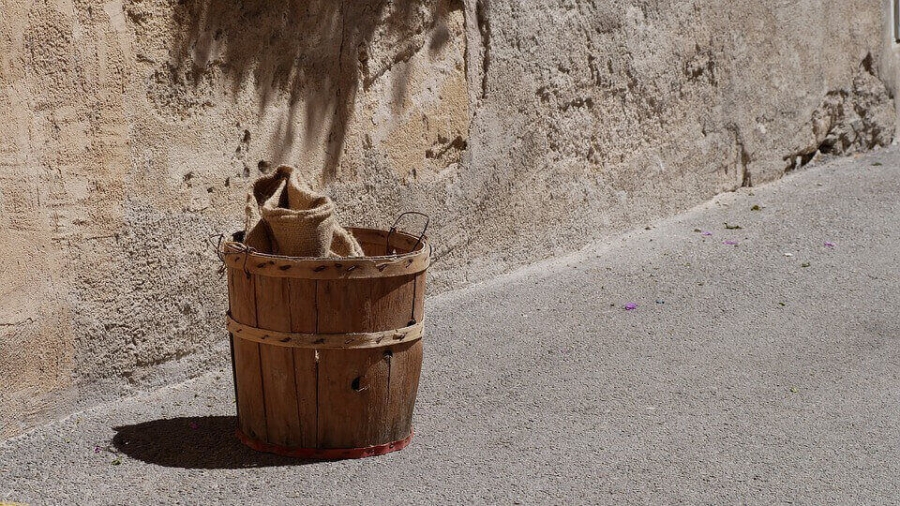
526, 129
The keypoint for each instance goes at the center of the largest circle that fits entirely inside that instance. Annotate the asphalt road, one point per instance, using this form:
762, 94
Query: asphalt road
760, 372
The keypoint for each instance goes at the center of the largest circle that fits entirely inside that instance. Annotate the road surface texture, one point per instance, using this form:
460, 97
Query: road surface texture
760, 365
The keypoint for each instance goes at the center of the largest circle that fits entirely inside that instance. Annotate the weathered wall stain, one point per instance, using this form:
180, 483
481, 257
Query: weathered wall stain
302, 61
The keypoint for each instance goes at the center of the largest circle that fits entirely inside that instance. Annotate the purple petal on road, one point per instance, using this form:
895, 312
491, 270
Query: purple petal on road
706, 233
829, 244
730, 242
631, 306
96, 449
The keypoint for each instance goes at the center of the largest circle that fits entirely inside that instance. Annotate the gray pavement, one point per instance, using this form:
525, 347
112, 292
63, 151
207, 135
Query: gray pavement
763, 372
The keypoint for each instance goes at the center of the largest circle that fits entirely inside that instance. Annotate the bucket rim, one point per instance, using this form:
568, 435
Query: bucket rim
239, 256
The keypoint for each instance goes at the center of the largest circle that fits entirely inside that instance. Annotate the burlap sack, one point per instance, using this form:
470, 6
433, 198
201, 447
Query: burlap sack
286, 217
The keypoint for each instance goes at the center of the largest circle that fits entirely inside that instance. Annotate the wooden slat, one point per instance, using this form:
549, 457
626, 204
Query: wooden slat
303, 305
306, 378
248, 375
273, 303
418, 311
303, 319
406, 365
355, 417
354, 385
353, 398
374, 249
273, 310
370, 305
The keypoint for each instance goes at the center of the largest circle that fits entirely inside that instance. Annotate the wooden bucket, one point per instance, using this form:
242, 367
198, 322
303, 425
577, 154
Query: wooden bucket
327, 351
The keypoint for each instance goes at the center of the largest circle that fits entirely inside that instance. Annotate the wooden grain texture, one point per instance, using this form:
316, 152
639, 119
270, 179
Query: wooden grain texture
248, 373
354, 384
306, 383
373, 249
405, 368
370, 305
353, 398
273, 310
304, 319
418, 311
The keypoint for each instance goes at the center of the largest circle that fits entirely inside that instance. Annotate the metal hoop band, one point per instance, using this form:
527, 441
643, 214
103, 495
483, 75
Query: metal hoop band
332, 341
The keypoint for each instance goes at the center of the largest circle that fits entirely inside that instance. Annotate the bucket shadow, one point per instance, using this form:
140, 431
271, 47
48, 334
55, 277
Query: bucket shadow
206, 442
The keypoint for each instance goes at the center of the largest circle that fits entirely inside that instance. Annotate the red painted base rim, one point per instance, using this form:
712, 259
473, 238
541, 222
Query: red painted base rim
323, 453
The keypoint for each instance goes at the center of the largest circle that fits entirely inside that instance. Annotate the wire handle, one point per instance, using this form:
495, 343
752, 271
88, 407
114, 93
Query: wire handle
387, 241
215, 241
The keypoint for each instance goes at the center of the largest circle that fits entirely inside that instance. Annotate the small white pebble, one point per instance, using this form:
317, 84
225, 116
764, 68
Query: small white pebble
788, 254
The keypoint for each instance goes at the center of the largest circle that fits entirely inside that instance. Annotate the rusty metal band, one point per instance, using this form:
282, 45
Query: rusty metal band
321, 341
323, 453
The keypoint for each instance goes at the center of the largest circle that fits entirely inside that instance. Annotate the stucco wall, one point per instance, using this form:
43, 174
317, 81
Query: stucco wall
133, 128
